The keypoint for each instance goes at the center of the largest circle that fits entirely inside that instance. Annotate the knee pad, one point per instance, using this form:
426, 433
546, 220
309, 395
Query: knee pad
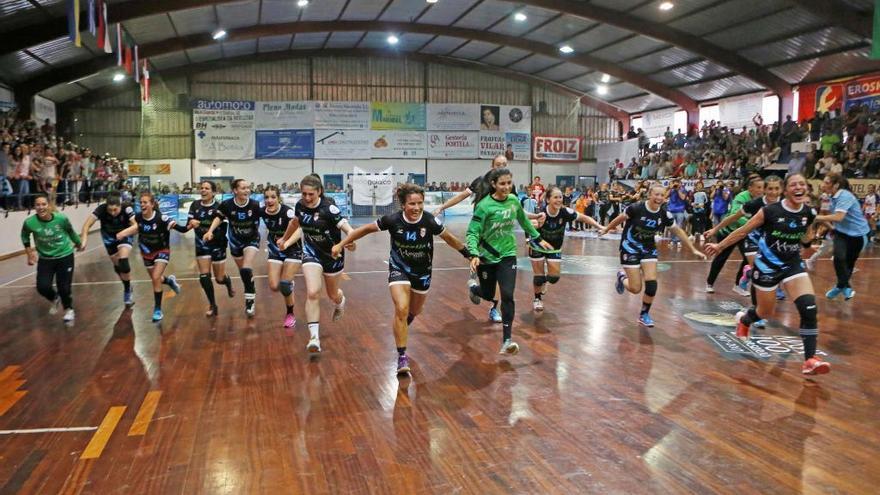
806, 306
553, 278
286, 287
650, 288
122, 266
539, 280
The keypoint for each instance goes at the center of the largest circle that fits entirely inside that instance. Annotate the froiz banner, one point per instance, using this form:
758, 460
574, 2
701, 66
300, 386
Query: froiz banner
452, 145
453, 117
399, 144
343, 144
342, 114
286, 143
397, 116
272, 115
223, 114
516, 118
224, 144
557, 148
367, 186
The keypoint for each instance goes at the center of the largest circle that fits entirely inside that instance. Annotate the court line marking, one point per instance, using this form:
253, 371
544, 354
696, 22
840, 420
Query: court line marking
31, 274
48, 430
102, 435
145, 413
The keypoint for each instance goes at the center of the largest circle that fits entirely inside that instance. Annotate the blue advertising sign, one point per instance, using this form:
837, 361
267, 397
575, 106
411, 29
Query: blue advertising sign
288, 143
342, 203
168, 206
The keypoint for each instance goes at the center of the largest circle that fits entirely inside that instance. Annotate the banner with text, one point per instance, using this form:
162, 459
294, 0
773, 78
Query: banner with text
737, 112
453, 145
516, 118
557, 148
386, 115
655, 123
453, 117
285, 115
341, 114
369, 186
223, 114
43, 109
285, 143
517, 145
343, 144
863, 91
224, 144
491, 144
399, 144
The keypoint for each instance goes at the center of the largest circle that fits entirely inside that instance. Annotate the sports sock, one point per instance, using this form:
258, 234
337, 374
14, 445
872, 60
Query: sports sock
809, 345
410, 318
401, 350
313, 330
646, 306
157, 299
290, 310
127, 285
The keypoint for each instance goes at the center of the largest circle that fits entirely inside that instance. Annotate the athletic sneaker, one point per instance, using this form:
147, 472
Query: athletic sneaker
646, 320
780, 294
250, 308
69, 315
171, 281
314, 346
289, 321
402, 365
742, 330
848, 293
815, 366
760, 324
339, 310
834, 292
473, 289
127, 298
55, 307
509, 347
157, 315
494, 315
710, 289
618, 286
538, 305
744, 279
212, 311
739, 290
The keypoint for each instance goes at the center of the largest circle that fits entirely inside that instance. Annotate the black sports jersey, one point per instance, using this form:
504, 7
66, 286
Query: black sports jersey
154, 233
320, 226
780, 245
204, 214
750, 209
642, 225
553, 230
602, 196
412, 243
244, 221
110, 225
276, 223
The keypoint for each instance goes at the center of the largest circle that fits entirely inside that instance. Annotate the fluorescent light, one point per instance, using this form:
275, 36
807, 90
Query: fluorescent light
605, 78
118, 77
432, 1
566, 49
302, 3
219, 34
519, 17
602, 89
392, 40
666, 5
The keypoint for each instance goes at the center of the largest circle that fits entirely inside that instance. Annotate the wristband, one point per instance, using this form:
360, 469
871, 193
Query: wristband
464, 252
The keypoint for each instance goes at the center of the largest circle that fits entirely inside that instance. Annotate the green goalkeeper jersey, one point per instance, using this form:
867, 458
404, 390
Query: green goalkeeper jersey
490, 234
738, 201
53, 238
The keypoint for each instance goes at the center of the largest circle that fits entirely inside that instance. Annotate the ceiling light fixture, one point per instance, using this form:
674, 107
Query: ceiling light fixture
605, 78
392, 40
566, 49
602, 89
118, 77
432, 1
520, 17
302, 3
666, 5
219, 34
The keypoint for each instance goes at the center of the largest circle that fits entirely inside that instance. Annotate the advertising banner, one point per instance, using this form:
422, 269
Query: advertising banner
397, 116
341, 114
343, 144
839, 94
43, 109
367, 186
272, 115
516, 118
557, 148
655, 123
737, 112
453, 117
453, 145
224, 144
492, 144
399, 144
288, 143
7, 99
222, 114
149, 169
863, 91
517, 145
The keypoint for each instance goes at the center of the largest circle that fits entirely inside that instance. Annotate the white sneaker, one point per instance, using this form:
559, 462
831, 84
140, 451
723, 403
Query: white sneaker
56, 306
69, 315
538, 305
739, 290
509, 347
710, 289
338, 311
314, 346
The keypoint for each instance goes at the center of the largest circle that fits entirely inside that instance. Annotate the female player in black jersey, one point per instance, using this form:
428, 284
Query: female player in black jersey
551, 222
786, 228
154, 231
114, 217
210, 255
243, 215
322, 224
283, 263
412, 232
638, 251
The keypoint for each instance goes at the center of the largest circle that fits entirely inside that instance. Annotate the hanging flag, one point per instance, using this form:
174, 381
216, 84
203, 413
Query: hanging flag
145, 81
875, 42
137, 66
103, 32
93, 26
126, 58
118, 44
73, 22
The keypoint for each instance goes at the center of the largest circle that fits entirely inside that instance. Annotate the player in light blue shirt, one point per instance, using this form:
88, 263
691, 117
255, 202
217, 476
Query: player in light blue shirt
850, 232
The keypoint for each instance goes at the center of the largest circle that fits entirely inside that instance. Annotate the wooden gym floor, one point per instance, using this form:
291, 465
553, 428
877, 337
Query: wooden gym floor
592, 404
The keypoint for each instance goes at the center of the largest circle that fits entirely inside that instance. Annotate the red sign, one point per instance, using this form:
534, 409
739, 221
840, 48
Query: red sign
837, 95
557, 148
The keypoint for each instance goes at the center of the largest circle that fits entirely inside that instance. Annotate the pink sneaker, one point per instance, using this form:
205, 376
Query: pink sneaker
289, 321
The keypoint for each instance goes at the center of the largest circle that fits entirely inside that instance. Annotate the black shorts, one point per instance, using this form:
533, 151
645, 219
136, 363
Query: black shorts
112, 245
237, 246
160, 256
293, 254
750, 247
536, 256
420, 284
636, 259
216, 249
330, 266
766, 279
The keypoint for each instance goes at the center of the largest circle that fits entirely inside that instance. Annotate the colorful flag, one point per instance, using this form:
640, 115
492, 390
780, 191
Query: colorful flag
126, 58
73, 22
93, 27
137, 67
103, 31
145, 81
118, 44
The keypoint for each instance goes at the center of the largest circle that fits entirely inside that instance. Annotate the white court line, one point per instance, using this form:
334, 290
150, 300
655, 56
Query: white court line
48, 430
31, 274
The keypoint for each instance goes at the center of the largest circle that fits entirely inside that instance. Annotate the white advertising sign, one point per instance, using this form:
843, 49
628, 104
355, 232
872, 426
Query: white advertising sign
369, 185
492, 144
341, 114
463, 144
399, 144
557, 148
275, 115
220, 115
516, 118
224, 144
737, 112
44, 108
7, 99
518, 145
343, 144
453, 117
655, 123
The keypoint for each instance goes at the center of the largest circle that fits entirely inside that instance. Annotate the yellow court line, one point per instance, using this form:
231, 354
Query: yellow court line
9, 387
145, 413
8, 372
99, 440
10, 401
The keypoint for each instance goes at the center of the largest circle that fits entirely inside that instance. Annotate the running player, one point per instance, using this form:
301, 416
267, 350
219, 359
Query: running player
210, 256
787, 227
154, 232
243, 215
322, 226
492, 243
638, 250
551, 225
54, 240
114, 217
412, 232
283, 264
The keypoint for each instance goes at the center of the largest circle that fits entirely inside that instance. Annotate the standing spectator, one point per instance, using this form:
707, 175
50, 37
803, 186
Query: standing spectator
700, 215
21, 160
538, 191
720, 196
677, 206
5, 173
850, 232
796, 164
